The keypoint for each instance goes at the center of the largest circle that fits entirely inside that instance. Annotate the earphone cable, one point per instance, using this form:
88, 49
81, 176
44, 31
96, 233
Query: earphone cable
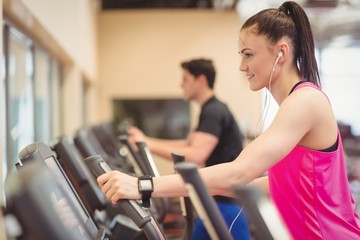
264, 110
267, 101
237, 216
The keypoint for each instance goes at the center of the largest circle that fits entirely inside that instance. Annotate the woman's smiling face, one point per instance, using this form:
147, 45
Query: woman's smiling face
257, 57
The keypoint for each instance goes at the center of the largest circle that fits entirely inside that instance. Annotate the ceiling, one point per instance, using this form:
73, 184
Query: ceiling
133, 4
331, 19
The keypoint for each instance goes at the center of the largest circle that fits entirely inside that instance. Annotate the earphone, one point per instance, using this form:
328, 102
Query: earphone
279, 55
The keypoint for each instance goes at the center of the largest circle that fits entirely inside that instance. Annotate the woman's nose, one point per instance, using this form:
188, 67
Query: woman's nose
242, 67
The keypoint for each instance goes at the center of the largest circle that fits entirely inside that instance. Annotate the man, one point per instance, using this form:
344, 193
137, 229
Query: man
216, 139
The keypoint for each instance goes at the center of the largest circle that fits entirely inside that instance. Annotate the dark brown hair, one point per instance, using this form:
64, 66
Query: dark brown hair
199, 67
289, 20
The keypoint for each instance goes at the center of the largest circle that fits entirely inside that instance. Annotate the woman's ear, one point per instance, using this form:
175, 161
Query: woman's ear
284, 51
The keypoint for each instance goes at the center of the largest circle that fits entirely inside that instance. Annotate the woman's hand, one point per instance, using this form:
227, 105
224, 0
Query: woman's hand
116, 186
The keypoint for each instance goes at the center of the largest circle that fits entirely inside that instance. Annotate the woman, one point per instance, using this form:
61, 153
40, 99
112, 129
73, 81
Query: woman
301, 150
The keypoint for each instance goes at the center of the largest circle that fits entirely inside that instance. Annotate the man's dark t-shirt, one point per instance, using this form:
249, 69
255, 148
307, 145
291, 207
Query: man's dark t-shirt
216, 119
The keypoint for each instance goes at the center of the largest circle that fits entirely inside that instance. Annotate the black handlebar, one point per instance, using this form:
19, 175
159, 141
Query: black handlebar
141, 218
203, 202
186, 205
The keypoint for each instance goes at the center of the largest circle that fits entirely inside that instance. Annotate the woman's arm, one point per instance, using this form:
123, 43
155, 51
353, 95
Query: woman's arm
296, 118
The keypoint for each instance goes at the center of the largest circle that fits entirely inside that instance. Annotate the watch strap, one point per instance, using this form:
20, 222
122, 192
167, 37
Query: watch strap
146, 199
145, 194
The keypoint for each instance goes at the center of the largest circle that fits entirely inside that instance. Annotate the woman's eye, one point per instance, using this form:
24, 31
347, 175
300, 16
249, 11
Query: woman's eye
247, 55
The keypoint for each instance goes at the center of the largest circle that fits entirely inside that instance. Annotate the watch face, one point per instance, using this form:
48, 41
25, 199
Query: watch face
145, 185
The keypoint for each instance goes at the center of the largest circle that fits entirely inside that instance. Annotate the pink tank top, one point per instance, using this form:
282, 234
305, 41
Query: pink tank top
311, 191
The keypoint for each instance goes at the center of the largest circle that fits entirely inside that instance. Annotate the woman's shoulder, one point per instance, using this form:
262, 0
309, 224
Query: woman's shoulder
308, 93
305, 105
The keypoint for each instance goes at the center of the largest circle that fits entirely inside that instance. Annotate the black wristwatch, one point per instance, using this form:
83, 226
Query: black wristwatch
146, 187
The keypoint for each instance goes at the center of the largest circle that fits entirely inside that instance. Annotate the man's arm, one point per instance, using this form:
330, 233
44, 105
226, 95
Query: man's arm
136, 135
197, 147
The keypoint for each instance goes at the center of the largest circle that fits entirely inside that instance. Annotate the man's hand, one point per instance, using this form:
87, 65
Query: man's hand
136, 135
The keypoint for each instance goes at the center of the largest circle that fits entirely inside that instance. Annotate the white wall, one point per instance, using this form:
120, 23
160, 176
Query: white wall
73, 24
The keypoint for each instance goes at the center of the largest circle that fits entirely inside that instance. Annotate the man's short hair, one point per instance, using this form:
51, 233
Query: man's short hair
199, 67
